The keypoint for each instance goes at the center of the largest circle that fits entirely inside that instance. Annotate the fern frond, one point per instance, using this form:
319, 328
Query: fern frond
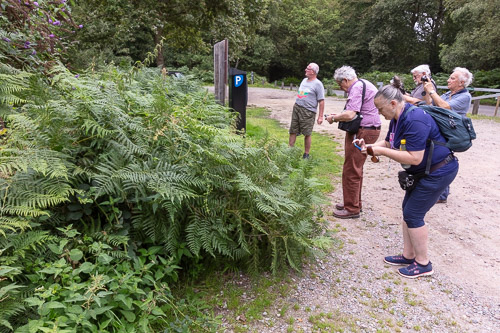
10, 307
94, 128
47, 162
12, 224
24, 211
10, 84
33, 240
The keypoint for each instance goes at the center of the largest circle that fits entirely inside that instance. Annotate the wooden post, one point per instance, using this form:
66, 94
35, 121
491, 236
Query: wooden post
291, 86
475, 107
282, 85
220, 70
496, 108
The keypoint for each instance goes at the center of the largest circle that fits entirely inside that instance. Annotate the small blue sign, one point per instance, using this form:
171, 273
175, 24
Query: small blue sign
238, 80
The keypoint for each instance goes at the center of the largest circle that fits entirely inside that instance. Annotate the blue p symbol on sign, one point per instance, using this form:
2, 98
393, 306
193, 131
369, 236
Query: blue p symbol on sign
238, 80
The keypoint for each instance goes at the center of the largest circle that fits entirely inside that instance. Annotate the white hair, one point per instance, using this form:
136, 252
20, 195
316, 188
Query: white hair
314, 67
421, 69
464, 75
344, 72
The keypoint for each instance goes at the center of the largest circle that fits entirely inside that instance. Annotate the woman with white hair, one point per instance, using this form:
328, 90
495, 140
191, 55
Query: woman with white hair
456, 99
417, 94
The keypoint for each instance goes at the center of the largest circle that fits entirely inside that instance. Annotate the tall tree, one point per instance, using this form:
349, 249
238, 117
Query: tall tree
404, 33
303, 32
132, 28
476, 43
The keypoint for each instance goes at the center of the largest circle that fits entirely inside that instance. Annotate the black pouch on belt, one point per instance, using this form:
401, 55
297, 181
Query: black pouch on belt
407, 181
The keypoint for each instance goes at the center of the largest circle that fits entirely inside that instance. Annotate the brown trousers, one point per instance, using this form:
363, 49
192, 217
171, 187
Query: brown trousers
352, 172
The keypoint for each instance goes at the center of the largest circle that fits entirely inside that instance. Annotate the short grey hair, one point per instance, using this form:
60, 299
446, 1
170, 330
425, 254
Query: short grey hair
344, 72
389, 92
464, 76
421, 69
314, 67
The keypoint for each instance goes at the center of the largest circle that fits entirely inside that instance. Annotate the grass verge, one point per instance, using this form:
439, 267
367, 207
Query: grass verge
478, 116
327, 164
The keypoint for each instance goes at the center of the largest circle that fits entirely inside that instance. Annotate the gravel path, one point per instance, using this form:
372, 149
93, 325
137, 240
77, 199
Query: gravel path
352, 290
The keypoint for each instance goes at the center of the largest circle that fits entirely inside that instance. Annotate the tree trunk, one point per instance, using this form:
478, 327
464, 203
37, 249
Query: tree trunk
160, 60
434, 60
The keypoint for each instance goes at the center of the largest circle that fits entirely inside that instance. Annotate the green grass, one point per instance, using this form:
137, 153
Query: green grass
326, 162
478, 116
332, 322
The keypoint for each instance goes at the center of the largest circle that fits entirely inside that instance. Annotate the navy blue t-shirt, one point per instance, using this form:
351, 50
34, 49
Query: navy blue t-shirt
416, 126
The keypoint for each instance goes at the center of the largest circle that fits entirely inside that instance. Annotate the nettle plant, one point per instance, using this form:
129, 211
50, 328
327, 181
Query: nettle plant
94, 287
150, 174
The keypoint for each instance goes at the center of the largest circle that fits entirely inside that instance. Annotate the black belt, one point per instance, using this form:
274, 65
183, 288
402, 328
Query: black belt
370, 127
447, 160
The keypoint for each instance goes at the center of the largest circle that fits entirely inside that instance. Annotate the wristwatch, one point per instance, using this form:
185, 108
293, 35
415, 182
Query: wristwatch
432, 92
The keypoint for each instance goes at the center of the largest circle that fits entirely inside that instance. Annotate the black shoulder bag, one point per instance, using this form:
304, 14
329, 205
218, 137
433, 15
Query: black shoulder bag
352, 126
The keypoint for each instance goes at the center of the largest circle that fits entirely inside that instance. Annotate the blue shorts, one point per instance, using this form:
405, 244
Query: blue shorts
418, 202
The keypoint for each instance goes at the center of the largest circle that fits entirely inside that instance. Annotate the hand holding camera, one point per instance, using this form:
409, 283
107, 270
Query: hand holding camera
428, 86
329, 118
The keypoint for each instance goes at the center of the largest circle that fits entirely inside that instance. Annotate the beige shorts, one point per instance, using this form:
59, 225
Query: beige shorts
302, 121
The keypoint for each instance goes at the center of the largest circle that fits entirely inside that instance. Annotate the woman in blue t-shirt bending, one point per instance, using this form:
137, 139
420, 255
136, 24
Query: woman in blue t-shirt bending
418, 129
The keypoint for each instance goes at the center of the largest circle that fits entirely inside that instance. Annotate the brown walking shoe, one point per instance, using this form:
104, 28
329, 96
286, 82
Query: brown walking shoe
345, 214
341, 207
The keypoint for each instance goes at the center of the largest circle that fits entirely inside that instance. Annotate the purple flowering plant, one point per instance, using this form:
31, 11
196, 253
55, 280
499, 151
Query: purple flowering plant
36, 29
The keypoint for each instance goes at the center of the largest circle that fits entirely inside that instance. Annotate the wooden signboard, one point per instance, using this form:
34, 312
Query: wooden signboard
220, 70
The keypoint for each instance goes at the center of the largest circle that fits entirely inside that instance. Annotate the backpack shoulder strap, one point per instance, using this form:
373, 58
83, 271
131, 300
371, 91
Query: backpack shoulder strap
363, 94
431, 150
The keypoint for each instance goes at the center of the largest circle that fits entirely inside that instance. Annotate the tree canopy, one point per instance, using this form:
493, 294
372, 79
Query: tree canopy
273, 38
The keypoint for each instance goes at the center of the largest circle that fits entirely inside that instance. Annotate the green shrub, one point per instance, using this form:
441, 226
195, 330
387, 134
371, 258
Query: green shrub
385, 78
89, 283
290, 80
487, 79
148, 161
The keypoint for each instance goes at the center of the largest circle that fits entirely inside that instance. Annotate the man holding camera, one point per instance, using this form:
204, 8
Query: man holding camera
421, 75
369, 130
456, 99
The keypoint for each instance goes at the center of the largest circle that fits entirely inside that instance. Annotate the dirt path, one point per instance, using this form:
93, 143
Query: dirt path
464, 293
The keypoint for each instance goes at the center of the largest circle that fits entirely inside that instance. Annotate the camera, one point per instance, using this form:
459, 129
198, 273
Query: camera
424, 78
